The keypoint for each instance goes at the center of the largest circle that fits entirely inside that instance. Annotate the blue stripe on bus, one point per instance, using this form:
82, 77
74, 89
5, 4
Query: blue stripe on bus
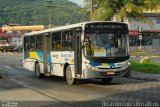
101, 64
40, 55
49, 60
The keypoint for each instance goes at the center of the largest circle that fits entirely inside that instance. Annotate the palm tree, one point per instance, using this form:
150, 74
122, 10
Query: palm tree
122, 9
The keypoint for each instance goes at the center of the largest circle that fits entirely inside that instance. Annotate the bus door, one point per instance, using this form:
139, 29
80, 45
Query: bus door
78, 52
47, 40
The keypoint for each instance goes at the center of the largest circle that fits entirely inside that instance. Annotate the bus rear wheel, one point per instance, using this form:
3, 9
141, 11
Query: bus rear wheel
106, 80
70, 80
37, 71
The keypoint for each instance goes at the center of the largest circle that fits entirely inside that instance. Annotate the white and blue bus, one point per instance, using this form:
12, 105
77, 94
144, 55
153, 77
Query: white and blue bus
89, 50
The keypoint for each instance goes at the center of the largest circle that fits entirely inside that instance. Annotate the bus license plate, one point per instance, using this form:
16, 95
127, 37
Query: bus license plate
110, 73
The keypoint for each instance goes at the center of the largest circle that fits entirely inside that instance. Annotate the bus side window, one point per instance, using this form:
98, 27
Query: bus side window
26, 43
27, 47
70, 41
56, 41
39, 43
67, 40
32, 43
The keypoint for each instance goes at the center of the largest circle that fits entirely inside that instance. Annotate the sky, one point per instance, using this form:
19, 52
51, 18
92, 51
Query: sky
79, 2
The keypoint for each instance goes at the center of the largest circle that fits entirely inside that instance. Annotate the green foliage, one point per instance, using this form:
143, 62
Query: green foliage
148, 67
85, 14
27, 12
122, 9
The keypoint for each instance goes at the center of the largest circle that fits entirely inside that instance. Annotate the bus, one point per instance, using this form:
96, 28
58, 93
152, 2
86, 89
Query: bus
88, 50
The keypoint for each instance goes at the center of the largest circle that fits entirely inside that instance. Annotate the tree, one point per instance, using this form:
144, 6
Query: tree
26, 12
122, 9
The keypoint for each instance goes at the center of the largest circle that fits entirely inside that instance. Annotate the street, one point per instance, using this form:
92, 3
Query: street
19, 84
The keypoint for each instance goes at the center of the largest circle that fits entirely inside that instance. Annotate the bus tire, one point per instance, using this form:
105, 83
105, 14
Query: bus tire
37, 71
70, 80
106, 80
128, 74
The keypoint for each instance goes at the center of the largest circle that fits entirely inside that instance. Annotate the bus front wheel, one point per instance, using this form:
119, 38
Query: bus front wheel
37, 71
70, 80
106, 80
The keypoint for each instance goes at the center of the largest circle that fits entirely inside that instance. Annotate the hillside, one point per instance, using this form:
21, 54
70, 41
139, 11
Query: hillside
26, 12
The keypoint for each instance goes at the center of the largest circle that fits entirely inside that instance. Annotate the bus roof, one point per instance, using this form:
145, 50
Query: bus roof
65, 27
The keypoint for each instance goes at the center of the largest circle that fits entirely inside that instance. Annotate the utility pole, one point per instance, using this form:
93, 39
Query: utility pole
50, 7
91, 7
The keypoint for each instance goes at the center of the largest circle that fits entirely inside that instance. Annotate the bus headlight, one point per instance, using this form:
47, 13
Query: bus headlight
88, 66
129, 63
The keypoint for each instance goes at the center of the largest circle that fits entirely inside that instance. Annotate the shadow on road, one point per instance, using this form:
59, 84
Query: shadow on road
115, 81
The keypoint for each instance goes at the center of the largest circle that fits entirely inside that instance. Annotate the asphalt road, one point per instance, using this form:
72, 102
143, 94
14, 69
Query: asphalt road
19, 84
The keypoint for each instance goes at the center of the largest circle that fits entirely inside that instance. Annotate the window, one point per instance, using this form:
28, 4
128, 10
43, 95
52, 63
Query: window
56, 41
39, 42
29, 43
32, 46
67, 43
157, 20
62, 40
26, 43
104, 44
133, 40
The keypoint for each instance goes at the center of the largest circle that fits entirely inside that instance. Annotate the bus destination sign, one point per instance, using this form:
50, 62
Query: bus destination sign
105, 26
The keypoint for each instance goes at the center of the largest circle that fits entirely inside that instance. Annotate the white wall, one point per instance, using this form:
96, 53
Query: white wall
145, 26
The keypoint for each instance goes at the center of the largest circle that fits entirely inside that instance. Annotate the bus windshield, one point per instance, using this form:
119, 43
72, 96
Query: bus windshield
104, 44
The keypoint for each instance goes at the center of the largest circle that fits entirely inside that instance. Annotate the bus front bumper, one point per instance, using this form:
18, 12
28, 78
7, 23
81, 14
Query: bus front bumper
90, 74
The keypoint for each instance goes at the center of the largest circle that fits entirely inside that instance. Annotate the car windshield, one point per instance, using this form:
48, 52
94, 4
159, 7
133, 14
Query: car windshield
105, 45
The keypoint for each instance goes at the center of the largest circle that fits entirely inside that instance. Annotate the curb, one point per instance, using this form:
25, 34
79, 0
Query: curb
145, 78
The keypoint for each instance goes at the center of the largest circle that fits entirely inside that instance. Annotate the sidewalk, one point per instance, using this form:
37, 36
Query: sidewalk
145, 76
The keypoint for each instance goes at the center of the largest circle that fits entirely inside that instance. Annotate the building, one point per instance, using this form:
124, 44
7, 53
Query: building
143, 34
7, 41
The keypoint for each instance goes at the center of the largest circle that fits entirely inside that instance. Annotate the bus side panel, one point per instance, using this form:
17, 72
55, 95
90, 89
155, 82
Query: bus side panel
30, 59
29, 64
58, 60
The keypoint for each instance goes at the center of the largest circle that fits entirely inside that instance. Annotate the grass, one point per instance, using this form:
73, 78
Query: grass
147, 67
